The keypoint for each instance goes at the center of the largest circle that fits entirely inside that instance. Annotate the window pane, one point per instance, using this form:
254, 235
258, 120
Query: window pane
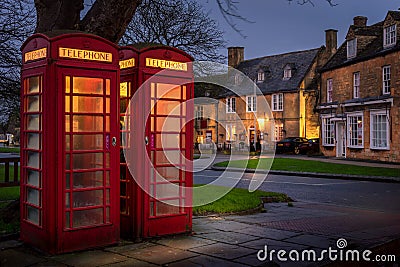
168, 173
168, 124
33, 196
33, 160
168, 157
84, 104
33, 215
88, 142
167, 140
88, 85
87, 217
167, 190
87, 161
33, 103
87, 198
82, 123
165, 107
168, 91
87, 179
165, 209
33, 178
33, 141
33, 122
33, 85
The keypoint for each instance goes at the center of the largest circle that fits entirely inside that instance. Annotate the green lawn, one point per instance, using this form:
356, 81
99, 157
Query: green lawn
286, 164
235, 200
9, 149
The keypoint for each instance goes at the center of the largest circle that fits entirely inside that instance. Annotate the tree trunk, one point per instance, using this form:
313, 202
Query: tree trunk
57, 14
106, 18
109, 18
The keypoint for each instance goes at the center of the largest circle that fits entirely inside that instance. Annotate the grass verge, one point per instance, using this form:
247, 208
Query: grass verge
11, 172
8, 222
235, 201
299, 165
9, 149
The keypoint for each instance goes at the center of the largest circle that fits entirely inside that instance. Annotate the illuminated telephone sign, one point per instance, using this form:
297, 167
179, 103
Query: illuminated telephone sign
128, 63
166, 64
36, 54
84, 54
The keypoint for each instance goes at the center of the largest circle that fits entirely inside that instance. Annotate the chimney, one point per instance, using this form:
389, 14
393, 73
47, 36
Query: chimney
360, 21
235, 56
331, 41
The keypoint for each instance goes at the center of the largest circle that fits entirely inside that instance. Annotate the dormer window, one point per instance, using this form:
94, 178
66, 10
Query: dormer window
261, 76
287, 72
389, 35
352, 48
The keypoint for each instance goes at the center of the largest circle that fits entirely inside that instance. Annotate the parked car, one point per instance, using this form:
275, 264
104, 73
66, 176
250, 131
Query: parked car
312, 146
297, 145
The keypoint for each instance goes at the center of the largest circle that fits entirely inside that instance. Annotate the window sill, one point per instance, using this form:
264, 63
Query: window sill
380, 148
356, 147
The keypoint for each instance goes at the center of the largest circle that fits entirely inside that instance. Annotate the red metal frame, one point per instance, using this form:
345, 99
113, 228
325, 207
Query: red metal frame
178, 220
77, 193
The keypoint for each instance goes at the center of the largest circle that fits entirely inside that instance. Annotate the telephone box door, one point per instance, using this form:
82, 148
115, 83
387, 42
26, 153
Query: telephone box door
169, 137
88, 194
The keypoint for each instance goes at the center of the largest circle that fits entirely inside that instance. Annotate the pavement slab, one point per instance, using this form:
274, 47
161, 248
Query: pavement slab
313, 240
159, 254
229, 237
19, 257
223, 251
184, 242
201, 261
130, 263
89, 258
268, 232
272, 244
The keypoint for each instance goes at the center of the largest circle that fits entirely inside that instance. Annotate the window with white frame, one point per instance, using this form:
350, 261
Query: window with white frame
237, 78
386, 79
260, 76
199, 112
251, 102
287, 72
389, 35
230, 105
278, 131
329, 90
352, 48
328, 131
356, 85
355, 130
277, 102
230, 132
379, 130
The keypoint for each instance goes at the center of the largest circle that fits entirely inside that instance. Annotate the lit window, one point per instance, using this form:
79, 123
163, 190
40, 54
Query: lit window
287, 72
355, 131
278, 132
328, 132
199, 112
389, 35
251, 103
356, 85
329, 89
379, 130
261, 76
386, 80
352, 48
230, 105
230, 132
277, 102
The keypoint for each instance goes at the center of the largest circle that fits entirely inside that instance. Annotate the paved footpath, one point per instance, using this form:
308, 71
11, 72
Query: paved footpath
236, 240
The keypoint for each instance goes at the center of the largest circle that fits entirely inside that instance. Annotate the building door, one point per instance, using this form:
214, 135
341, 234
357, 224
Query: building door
340, 140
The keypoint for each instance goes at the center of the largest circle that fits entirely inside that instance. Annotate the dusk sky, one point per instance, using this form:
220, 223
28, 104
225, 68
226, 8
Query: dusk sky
281, 27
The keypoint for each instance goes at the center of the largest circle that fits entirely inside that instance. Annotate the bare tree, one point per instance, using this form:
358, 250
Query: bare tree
16, 20
179, 23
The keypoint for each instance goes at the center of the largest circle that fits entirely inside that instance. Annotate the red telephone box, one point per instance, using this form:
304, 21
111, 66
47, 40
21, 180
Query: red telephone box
162, 137
69, 142
128, 188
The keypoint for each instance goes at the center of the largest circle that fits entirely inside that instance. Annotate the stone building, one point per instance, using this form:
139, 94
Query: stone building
288, 82
360, 88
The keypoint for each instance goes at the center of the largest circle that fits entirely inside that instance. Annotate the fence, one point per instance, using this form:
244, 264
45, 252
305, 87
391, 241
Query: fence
6, 161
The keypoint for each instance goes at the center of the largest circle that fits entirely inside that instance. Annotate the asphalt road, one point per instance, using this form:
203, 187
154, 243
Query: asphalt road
358, 194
